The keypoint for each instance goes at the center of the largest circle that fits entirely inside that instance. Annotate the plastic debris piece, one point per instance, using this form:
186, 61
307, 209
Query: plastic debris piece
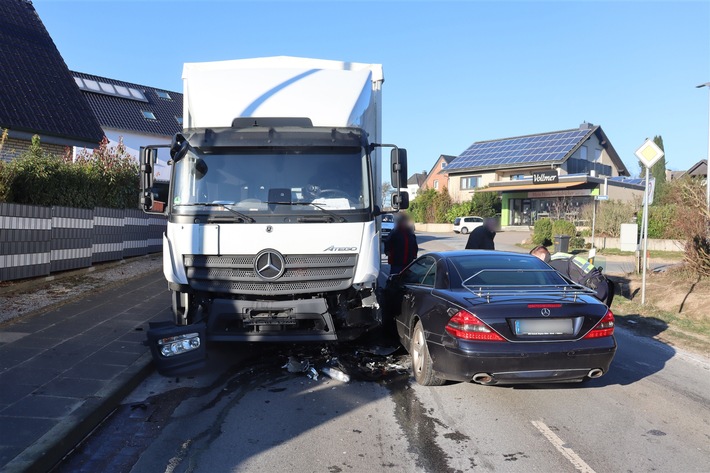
296, 366
336, 374
312, 373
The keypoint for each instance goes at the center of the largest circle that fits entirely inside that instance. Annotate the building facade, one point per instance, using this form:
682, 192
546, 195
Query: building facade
438, 178
414, 183
552, 174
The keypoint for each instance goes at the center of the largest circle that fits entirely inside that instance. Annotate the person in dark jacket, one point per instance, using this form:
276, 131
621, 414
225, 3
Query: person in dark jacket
481, 238
401, 247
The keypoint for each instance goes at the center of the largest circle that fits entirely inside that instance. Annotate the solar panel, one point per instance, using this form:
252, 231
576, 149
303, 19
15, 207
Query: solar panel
520, 150
629, 180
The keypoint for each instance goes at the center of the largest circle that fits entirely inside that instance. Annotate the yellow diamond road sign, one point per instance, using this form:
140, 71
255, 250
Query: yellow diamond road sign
649, 153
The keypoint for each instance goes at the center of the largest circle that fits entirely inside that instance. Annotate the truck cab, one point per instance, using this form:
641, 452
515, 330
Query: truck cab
272, 233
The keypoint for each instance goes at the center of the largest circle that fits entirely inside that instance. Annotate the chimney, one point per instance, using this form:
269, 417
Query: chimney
586, 126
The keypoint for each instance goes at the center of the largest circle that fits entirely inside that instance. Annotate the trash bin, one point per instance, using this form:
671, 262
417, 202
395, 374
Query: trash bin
562, 243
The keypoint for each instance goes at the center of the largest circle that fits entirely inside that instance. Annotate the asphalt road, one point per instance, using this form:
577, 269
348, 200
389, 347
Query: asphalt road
651, 412
245, 412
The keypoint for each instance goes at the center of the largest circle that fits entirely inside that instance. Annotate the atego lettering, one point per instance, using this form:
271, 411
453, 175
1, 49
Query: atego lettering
341, 248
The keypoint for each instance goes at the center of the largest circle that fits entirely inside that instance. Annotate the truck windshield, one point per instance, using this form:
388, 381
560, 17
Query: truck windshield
272, 181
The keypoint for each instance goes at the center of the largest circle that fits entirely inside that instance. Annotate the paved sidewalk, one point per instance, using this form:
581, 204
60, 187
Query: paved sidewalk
63, 371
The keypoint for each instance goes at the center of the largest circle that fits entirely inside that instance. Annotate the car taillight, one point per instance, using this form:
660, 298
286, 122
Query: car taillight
467, 326
605, 327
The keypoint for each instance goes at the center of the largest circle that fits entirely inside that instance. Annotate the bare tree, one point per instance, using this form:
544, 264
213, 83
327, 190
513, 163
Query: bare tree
693, 220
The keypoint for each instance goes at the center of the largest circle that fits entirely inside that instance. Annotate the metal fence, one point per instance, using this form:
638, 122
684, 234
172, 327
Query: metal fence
36, 241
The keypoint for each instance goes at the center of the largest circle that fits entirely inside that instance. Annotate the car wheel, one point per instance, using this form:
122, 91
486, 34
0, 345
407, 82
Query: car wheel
421, 361
464, 230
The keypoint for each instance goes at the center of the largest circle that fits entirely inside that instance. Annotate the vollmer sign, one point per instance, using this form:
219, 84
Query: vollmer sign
545, 177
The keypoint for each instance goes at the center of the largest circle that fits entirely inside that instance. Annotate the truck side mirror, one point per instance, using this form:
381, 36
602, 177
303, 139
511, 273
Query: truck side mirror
179, 147
400, 200
398, 160
148, 159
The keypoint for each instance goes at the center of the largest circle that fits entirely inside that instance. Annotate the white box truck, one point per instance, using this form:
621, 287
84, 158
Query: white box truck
273, 231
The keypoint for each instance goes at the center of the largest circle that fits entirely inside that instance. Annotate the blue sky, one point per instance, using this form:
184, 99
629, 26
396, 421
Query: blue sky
456, 72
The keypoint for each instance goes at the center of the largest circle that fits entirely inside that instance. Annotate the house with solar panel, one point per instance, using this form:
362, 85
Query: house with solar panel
137, 114
551, 174
38, 95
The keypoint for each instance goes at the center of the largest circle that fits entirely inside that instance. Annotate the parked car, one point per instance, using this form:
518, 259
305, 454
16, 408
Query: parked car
387, 226
498, 317
467, 224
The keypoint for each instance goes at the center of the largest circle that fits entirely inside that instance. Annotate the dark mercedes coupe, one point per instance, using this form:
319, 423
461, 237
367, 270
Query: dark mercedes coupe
496, 317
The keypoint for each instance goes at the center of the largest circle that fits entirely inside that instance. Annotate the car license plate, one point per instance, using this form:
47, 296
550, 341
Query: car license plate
542, 327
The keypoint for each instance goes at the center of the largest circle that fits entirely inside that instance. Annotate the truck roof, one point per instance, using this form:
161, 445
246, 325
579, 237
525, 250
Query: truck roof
330, 93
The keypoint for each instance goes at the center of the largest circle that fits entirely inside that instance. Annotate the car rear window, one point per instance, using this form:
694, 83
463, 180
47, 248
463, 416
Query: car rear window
505, 270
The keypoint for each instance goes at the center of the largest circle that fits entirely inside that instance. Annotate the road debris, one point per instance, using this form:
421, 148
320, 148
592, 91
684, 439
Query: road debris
313, 373
296, 366
336, 374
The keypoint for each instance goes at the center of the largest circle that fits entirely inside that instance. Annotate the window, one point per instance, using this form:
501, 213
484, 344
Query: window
105, 88
163, 95
430, 278
179, 120
416, 272
517, 177
149, 115
436, 184
470, 182
583, 152
443, 164
597, 155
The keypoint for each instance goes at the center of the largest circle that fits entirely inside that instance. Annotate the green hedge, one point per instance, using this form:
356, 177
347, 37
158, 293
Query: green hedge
542, 232
563, 227
106, 178
661, 222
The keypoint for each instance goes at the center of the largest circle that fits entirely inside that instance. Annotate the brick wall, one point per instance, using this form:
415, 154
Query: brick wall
35, 241
14, 147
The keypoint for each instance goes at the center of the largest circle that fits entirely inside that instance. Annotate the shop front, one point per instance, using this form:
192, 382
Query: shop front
524, 208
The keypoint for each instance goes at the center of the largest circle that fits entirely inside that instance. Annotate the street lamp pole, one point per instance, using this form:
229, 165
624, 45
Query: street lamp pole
707, 162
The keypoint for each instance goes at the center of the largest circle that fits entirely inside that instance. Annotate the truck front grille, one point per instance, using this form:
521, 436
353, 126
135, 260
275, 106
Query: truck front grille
234, 274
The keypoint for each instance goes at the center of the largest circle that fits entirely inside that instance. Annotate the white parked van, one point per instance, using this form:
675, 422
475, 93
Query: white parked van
466, 224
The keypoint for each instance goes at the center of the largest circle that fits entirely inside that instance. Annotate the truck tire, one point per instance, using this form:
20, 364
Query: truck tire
421, 361
464, 230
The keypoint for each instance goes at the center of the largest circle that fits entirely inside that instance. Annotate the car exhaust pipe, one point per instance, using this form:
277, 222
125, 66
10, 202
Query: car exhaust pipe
482, 378
595, 373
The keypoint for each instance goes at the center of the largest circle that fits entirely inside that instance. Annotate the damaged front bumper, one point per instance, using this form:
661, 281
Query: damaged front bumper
178, 349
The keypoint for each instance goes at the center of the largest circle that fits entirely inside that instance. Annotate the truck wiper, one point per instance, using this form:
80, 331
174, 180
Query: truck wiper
334, 216
225, 205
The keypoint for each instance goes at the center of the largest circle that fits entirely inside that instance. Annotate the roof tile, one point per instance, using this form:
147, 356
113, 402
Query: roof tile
38, 93
114, 111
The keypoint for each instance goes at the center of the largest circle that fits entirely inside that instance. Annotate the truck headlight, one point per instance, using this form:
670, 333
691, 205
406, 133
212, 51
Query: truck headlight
179, 344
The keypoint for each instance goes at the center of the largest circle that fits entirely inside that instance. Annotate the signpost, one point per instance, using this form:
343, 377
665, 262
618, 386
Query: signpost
649, 153
593, 250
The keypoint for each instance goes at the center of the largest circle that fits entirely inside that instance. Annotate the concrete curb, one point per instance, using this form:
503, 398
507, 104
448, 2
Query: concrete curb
49, 449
